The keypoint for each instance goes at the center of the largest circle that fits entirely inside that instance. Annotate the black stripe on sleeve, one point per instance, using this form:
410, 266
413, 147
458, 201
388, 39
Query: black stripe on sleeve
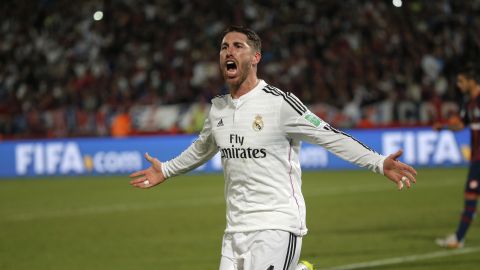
288, 97
295, 100
328, 127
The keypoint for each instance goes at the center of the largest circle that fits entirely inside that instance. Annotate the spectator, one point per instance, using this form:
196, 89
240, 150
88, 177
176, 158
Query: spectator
55, 58
121, 124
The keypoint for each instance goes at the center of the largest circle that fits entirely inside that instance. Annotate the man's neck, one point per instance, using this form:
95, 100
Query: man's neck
244, 88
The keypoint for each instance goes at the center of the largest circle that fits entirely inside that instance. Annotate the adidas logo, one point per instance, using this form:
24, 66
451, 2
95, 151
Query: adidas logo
220, 123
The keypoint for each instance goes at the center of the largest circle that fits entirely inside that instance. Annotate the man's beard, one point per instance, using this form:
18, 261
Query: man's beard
243, 76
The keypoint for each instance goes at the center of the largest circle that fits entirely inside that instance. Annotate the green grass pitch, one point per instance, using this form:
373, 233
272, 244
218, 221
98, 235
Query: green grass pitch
89, 223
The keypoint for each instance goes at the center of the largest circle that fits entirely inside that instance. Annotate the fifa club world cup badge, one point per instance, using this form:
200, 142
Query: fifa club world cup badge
257, 123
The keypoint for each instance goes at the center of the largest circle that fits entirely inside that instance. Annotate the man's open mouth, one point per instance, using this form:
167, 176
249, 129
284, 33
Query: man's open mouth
231, 67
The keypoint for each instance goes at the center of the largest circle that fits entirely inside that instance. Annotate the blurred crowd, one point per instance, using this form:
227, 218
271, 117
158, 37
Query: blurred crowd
355, 63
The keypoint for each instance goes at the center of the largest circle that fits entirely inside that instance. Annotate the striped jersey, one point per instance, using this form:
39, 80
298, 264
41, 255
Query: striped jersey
258, 136
470, 114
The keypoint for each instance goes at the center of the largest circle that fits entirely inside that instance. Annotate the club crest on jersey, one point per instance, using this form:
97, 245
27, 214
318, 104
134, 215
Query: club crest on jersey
257, 123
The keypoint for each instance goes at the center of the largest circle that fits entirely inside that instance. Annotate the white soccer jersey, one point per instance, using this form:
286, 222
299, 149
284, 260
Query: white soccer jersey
258, 136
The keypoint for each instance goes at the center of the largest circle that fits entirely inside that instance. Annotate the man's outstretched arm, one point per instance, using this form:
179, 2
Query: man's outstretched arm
199, 152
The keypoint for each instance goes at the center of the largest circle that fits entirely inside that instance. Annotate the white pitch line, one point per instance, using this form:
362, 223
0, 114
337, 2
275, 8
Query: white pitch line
400, 260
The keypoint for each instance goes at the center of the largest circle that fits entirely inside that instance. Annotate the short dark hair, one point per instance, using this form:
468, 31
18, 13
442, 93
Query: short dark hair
471, 72
253, 39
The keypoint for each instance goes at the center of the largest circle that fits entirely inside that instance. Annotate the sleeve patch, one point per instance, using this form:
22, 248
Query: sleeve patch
313, 119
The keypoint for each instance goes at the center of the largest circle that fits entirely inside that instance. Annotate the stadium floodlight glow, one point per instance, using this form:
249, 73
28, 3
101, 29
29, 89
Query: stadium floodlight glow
397, 3
98, 15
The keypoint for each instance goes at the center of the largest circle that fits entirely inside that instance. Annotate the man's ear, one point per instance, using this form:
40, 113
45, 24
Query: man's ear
256, 58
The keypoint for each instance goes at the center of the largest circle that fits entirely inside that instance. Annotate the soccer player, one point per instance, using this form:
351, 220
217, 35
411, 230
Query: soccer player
258, 128
468, 82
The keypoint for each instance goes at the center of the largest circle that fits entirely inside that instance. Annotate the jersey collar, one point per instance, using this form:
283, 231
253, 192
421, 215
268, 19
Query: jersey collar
238, 101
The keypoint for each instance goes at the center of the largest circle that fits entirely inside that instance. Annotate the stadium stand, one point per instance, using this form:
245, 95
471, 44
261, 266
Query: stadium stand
355, 63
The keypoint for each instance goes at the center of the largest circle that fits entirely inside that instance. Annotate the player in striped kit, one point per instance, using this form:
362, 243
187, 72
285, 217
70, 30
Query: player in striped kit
468, 82
257, 129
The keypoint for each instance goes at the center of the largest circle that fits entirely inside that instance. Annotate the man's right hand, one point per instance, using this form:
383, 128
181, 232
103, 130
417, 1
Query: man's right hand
149, 177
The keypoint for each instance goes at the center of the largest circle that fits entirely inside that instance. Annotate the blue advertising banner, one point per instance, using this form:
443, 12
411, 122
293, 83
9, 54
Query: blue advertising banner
422, 147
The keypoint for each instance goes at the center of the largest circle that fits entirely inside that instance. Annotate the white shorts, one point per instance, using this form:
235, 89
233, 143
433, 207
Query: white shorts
260, 250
